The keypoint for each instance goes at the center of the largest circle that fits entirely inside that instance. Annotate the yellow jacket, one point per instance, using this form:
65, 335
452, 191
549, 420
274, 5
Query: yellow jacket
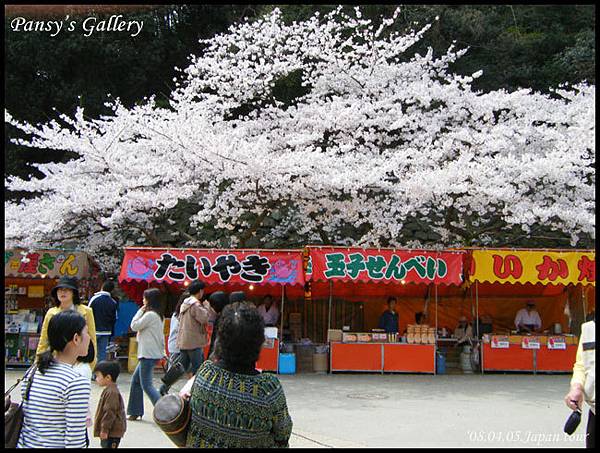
83, 310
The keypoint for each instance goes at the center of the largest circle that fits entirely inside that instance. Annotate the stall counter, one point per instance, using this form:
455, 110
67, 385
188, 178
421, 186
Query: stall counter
268, 360
409, 358
382, 357
516, 358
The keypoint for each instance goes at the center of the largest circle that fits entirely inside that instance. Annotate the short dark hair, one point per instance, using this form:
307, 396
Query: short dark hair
392, 298
268, 296
237, 296
108, 286
108, 368
196, 286
218, 300
62, 327
240, 335
152, 295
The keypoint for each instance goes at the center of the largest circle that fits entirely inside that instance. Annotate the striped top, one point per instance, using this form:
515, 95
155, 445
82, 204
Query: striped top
232, 410
55, 413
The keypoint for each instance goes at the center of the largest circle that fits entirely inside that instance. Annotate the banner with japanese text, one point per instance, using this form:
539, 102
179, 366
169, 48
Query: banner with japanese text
524, 266
45, 263
213, 266
385, 265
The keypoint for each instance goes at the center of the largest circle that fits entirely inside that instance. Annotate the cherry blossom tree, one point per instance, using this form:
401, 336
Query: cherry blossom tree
383, 147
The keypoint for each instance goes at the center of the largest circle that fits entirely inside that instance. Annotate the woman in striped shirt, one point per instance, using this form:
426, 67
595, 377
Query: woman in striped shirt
54, 412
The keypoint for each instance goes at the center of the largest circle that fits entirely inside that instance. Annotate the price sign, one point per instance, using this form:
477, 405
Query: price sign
500, 342
557, 343
530, 343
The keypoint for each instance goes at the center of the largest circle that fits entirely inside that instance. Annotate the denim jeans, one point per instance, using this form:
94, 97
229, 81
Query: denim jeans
102, 342
191, 359
142, 380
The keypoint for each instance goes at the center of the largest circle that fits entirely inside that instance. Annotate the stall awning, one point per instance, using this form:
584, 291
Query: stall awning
214, 267
353, 265
529, 266
46, 264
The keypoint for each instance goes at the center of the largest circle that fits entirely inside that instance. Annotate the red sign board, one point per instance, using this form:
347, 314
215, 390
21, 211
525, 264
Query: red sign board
213, 266
385, 265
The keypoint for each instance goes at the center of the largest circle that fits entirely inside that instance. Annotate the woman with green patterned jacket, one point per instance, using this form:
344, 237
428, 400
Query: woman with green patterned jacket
232, 404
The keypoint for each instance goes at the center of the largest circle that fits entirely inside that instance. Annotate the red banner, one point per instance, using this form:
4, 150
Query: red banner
385, 265
213, 266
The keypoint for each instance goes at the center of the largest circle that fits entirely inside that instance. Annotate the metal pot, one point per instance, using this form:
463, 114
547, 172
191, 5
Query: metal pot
557, 328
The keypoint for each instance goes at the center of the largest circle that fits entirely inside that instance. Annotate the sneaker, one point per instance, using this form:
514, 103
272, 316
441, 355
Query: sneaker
163, 390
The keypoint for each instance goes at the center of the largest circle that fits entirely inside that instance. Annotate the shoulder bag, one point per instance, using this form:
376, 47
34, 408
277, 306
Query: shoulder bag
13, 412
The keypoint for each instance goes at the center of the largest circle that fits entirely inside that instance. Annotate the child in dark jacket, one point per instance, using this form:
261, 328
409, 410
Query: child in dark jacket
109, 423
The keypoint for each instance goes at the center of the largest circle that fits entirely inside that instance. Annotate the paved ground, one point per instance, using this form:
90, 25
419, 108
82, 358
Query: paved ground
369, 410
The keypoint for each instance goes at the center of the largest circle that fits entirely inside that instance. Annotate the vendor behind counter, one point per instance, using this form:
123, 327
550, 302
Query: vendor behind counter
389, 319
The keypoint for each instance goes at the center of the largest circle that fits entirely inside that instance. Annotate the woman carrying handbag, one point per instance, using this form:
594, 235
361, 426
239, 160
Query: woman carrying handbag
56, 397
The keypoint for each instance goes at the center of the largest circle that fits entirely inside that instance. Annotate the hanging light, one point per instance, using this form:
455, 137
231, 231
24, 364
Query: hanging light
251, 287
186, 284
403, 282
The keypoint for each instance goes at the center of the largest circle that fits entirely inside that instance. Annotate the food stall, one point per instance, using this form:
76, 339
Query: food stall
556, 281
29, 276
256, 272
368, 277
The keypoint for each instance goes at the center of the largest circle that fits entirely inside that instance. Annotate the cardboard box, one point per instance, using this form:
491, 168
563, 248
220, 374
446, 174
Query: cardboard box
320, 362
295, 318
334, 335
304, 350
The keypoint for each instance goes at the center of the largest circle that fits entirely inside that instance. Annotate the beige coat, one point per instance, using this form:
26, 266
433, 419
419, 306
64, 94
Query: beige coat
193, 319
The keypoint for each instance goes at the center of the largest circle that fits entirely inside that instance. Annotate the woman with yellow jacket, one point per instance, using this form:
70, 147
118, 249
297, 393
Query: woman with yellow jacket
66, 297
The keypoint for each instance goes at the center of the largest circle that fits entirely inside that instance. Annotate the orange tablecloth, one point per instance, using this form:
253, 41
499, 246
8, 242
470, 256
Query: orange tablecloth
409, 358
515, 358
382, 357
268, 360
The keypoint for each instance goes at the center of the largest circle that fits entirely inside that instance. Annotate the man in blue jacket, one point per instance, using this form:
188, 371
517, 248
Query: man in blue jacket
389, 319
105, 316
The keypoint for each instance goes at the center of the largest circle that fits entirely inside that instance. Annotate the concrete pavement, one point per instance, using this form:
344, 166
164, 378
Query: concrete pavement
371, 410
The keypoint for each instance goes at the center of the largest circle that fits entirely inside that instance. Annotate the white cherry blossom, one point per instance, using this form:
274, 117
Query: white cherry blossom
380, 138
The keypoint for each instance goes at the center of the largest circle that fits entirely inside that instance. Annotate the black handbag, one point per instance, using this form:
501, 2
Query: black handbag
572, 422
13, 412
172, 414
173, 373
